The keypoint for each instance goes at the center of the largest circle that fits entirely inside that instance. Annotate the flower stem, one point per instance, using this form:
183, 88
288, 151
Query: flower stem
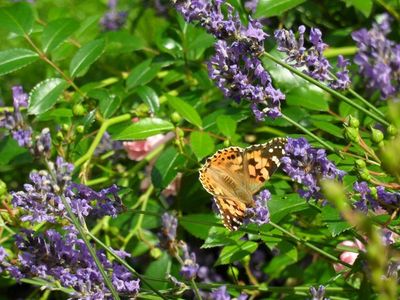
361, 98
43, 57
144, 199
325, 88
309, 245
107, 123
82, 233
124, 263
305, 130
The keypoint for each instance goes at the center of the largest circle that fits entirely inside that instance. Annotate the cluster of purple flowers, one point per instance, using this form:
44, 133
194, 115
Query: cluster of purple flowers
21, 132
259, 214
307, 166
312, 59
65, 258
236, 68
14, 121
378, 58
41, 198
378, 198
113, 20
168, 241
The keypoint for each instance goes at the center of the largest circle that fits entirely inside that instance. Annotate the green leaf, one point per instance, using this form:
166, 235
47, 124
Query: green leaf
86, 56
220, 236
364, 6
270, 8
122, 42
14, 59
166, 168
230, 254
108, 102
280, 207
335, 223
142, 73
307, 96
328, 127
143, 129
287, 255
185, 110
57, 32
226, 125
149, 96
17, 18
196, 224
9, 149
45, 94
202, 144
159, 269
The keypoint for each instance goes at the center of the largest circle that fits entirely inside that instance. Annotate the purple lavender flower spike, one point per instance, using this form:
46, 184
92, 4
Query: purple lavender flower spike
14, 121
41, 202
343, 80
318, 294
167, 236
65, 258
236, 68
113, 20
307, 165
249, 81
378, 58
260, 213
219, 294
378, 200
20, 98
190, 267
312, 58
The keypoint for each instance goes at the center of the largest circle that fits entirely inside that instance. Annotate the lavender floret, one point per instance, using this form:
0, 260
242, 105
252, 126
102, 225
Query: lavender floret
378, 58
307, 165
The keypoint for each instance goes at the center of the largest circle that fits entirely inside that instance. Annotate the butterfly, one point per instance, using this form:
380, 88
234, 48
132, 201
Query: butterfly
234, 175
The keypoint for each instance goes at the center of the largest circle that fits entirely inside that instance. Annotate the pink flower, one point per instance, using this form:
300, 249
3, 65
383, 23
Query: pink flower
137, 150
348, 256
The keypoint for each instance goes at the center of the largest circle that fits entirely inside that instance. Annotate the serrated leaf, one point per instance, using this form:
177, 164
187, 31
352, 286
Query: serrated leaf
220, 236
108, 102
332, 219
149, 96
45, 94
198, 224
226, 125
201, 143
85, 57
233, 253
14, 59
166, 168
17, 18
143, 129
270, 8
142, 73
57, 32
185, 110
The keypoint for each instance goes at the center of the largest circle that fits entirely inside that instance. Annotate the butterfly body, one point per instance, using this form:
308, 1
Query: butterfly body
233, 175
